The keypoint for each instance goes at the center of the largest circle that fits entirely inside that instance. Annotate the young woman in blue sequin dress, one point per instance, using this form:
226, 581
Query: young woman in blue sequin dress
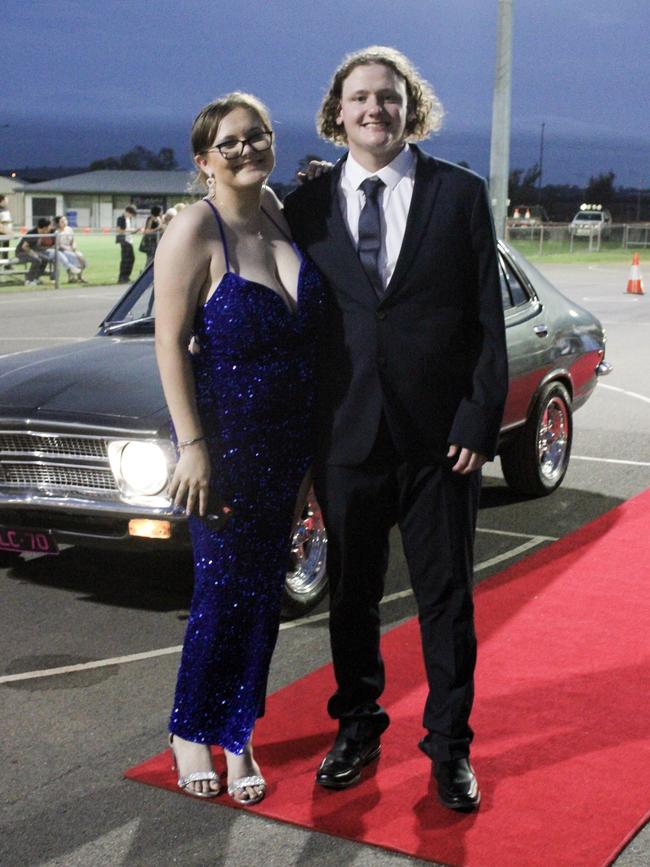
233, 287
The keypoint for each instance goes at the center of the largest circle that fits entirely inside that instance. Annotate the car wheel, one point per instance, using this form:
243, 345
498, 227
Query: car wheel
537, 460
306, 581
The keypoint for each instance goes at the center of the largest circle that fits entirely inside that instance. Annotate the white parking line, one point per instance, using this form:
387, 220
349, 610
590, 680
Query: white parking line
85, 666
515, 535
532, 542
625, 391
625, 299
609, 268
611, 461
513, 552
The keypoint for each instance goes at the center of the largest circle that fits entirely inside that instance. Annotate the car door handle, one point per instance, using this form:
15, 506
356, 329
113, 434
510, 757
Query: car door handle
541, 330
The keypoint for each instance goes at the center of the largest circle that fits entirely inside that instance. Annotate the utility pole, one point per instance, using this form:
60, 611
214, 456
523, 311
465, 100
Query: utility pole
500, 141
541, 164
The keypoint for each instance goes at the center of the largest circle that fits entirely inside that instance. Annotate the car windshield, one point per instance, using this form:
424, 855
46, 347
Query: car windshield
594, 216
136, 307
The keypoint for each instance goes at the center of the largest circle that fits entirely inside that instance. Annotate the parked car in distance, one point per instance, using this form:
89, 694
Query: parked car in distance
591, 220
85, 451
528, 215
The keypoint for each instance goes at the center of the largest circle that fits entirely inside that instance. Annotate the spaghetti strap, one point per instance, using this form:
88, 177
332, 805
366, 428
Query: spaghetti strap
223, 234
277, 225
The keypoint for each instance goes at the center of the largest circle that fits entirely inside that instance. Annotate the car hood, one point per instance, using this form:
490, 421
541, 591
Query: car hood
105, 380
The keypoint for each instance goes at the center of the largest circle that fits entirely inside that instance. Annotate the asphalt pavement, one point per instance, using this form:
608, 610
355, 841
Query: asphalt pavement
67, 738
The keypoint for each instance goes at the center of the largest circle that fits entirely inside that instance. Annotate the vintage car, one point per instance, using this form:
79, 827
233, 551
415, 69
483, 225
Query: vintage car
85, 452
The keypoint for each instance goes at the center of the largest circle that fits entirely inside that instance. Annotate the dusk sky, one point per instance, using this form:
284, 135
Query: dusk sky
140, 68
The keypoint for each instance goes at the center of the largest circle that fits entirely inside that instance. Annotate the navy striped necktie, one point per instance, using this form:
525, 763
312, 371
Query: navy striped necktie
370, 232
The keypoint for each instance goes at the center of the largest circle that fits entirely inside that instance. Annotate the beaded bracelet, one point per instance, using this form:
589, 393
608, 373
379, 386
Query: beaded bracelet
184, 443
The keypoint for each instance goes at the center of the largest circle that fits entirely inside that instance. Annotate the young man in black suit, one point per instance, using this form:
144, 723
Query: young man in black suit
413, 381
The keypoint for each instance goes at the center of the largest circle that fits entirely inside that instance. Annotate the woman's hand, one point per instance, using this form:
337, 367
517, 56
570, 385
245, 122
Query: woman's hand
189, 485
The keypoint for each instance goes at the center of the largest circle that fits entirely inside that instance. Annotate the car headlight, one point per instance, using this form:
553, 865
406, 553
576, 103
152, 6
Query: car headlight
140, 468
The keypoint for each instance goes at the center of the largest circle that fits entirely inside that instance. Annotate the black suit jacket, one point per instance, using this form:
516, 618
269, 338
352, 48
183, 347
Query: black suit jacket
431, 352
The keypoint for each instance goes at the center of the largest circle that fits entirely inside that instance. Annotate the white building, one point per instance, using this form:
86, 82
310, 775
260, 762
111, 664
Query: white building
12, 189
96, 199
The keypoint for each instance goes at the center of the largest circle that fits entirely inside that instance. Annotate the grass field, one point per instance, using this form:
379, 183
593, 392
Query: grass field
103, 257
558, 251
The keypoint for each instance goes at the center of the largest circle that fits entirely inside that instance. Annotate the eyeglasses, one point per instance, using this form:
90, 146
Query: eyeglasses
234, 148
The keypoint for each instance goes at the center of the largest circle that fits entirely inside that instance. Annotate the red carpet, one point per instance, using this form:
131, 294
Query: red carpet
561, 719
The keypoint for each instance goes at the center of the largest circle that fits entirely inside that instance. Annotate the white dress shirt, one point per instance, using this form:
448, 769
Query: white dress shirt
394, 203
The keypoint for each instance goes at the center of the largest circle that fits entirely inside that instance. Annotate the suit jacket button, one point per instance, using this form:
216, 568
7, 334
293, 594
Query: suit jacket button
381, 314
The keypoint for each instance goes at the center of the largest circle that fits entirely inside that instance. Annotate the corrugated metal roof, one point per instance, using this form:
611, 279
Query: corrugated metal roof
121, 181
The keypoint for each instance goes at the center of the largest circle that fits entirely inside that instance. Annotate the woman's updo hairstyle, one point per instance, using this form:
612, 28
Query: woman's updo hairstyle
206, 123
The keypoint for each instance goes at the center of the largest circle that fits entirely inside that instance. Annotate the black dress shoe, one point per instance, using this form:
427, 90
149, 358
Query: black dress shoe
457, 785
341, 767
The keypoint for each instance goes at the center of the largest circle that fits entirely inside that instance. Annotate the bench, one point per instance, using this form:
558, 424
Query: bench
11, 268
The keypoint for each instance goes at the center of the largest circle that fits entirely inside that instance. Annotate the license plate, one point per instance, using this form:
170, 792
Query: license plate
32, 541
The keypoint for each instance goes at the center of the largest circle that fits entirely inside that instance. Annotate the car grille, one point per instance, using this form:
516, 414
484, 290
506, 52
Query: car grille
47, 444
56, 464
80, 479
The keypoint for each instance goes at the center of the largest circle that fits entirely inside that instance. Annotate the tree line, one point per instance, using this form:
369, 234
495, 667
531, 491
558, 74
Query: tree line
560, 201
137, 159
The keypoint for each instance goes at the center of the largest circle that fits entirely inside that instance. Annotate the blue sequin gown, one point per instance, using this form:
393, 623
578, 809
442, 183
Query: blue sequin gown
255, 386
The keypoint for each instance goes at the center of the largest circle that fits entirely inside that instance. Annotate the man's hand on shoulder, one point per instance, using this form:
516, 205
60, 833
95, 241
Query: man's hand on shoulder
314, 170
468, 461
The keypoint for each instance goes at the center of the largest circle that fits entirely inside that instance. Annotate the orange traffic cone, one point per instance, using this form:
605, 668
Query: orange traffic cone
635, 281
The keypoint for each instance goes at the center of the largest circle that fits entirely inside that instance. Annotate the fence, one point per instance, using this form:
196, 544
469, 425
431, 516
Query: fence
98, 247
103, 254
548, 238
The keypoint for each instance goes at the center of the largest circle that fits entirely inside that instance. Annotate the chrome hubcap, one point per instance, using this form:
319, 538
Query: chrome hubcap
553, 439
308, 553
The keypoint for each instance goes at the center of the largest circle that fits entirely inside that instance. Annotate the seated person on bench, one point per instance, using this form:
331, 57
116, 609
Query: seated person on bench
31, 249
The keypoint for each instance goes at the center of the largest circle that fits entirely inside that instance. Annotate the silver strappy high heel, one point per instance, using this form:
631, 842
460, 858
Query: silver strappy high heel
196, 777
242, 783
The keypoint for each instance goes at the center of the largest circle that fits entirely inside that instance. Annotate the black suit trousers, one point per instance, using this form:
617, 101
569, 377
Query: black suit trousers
127, 260
436, 512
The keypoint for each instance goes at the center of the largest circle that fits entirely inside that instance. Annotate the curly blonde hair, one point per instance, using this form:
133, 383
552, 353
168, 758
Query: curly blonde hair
425, 111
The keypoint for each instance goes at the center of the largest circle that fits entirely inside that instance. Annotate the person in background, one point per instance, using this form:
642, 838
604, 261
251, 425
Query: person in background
413, 381
125, 231
32, 249
74, 260
6, 231
49, 251
178, 207
151, 233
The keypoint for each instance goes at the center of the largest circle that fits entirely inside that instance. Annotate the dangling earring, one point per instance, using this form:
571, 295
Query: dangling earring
211, 186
